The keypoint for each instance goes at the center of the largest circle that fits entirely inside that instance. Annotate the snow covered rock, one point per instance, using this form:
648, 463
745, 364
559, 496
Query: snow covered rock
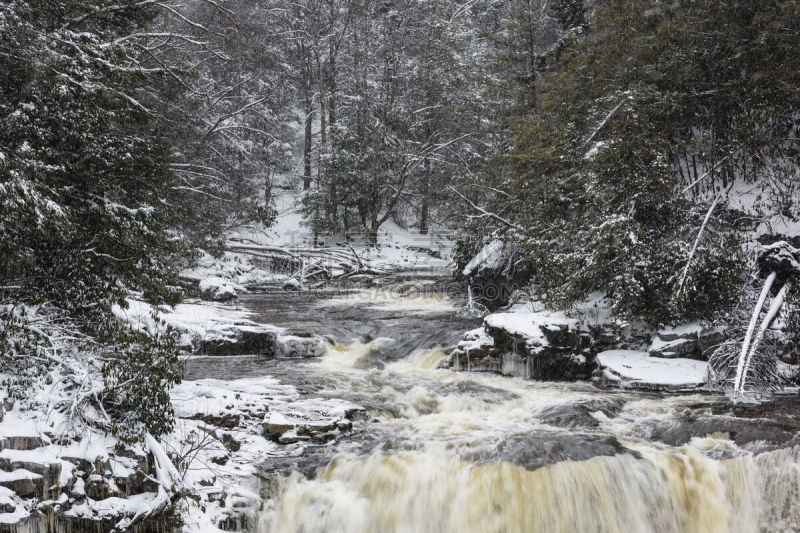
543, 345
240, 340
492, 274
476, 345
264, 340
691, 341
81, 485
314, 419
687, 331
637, 370
680, 347
217, 289
211, 328
24, 483
292, 284
708, 340
781, 257
301, 344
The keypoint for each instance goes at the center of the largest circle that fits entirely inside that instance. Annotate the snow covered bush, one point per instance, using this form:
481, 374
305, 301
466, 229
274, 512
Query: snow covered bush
116, 380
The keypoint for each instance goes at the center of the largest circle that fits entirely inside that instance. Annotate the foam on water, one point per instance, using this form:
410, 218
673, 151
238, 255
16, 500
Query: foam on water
430, 491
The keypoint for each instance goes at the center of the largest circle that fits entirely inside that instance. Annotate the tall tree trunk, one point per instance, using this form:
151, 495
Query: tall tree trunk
426, 187
268, 188
309, 110
321, 88
332, 65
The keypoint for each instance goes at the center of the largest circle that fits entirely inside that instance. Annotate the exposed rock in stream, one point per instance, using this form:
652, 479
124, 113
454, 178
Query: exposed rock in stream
217, 289
580, 414
632, 369
240, 340
546, 346
550, 449
262, 340
311, 420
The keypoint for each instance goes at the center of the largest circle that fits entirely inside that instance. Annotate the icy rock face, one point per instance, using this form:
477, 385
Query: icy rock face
681, 347
708, 340
241, 340
301, 344
543, 345
73, 486
266, 341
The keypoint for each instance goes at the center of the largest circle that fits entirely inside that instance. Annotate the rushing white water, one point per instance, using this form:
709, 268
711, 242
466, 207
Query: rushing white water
462, 452
677, 491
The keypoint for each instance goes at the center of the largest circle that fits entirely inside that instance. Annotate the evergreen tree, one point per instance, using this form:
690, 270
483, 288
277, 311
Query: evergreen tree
84, 175
622, 168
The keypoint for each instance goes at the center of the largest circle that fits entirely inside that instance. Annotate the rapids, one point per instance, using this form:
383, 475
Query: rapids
445, 451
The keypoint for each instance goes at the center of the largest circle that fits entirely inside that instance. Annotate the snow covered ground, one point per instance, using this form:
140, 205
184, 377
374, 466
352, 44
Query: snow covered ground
220, 329
226, 429
398, 249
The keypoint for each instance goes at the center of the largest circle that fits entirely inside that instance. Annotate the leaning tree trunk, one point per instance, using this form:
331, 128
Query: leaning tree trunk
779, 261
743, 355
774, 308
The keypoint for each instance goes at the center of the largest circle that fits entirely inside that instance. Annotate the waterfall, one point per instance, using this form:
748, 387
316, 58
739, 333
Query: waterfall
664, 491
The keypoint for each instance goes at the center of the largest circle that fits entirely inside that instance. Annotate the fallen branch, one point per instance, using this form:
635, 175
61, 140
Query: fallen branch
605, 121
360, 263
698, 180
170, 483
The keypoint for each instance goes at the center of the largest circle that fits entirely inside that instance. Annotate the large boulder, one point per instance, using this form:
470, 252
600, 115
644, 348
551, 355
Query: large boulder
709, 339
241, 340
217, 290
543, 345
298, 343
262, 339
310, 420
493, 274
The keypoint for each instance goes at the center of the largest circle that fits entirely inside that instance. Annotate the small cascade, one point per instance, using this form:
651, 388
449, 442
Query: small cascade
352, 355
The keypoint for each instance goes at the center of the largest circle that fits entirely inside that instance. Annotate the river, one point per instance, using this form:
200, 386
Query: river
443, 451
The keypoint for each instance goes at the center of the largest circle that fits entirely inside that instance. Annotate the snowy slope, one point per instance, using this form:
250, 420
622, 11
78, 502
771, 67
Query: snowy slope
398, 249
